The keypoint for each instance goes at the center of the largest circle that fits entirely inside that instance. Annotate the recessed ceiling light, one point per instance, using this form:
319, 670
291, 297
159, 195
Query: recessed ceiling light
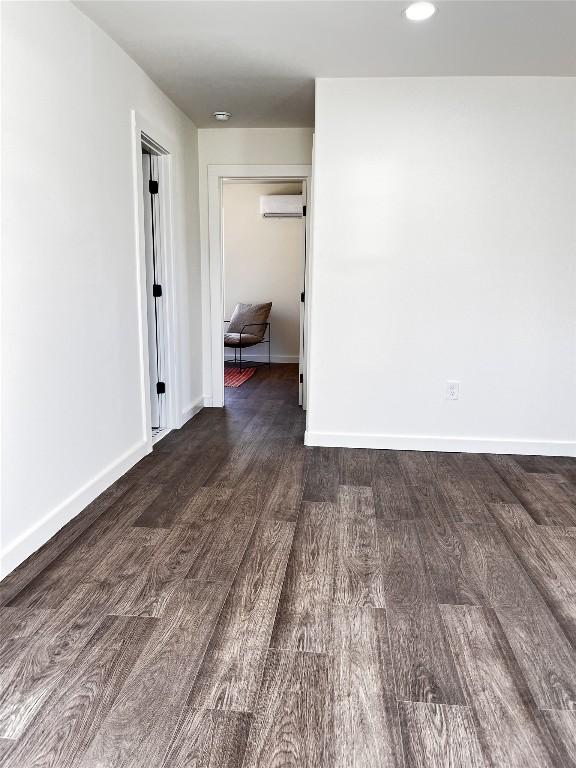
223, 116
420, 11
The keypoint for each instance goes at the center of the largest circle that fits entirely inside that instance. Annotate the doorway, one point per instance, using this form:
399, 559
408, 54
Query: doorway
154, 281
156, 242
153, 155
220, 178
263, 257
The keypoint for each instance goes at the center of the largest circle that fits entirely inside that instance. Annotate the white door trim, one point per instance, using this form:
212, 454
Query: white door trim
217, 174
166, 146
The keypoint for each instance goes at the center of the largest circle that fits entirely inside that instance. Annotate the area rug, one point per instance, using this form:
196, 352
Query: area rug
234, 377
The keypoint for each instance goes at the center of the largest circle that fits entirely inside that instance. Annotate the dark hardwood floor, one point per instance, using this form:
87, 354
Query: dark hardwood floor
239, 600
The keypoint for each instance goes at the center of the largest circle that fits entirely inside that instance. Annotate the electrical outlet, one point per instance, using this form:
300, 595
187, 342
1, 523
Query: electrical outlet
452, 390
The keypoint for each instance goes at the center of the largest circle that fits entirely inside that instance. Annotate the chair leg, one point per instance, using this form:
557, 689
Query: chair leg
240, 358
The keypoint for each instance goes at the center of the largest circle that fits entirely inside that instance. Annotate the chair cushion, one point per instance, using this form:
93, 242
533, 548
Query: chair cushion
250, 313
248, 340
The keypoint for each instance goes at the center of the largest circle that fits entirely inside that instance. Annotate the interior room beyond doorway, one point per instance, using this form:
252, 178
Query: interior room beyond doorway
263, 262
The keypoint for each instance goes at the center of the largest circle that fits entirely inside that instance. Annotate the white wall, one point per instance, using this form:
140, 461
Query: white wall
240, 146
444, 248
253, 146
72, 417
264, 261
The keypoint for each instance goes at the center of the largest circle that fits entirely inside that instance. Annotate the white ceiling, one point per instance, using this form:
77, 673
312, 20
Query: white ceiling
258, 60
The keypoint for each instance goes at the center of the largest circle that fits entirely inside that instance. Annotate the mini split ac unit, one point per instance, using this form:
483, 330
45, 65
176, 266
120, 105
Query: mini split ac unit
281, 206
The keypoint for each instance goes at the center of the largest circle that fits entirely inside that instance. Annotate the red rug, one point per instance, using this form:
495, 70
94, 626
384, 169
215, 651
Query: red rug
233, 377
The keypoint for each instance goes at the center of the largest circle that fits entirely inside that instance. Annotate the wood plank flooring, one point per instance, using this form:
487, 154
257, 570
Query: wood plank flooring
237, 600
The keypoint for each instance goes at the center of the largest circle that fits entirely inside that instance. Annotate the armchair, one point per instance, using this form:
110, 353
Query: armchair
247, 327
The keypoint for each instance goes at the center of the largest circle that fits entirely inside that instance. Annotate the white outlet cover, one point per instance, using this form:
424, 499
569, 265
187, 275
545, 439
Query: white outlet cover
452, 390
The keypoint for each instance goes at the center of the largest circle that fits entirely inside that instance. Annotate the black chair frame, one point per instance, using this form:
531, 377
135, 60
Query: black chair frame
238, 357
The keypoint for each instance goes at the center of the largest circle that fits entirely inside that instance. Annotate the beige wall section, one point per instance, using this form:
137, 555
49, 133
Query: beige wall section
264, 146
240, 146
264, 261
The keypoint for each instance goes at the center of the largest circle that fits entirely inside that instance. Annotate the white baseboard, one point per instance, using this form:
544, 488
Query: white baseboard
38, 534
433, 443
264, 358
208, 401
192, 409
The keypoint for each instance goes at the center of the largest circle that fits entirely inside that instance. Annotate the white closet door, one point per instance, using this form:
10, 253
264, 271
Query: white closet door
302, 354
150, 171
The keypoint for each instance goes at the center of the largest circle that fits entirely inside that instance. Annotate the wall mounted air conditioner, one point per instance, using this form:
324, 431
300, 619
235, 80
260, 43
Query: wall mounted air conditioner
281, 206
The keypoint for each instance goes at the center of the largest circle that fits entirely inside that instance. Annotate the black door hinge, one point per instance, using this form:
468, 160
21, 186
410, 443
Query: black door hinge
156, 290
160, 387
301, 378
153, 187
303, 210
302, 296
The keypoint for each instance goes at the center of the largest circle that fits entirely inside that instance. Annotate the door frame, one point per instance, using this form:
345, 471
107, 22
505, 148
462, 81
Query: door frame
146, 132
217, 175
